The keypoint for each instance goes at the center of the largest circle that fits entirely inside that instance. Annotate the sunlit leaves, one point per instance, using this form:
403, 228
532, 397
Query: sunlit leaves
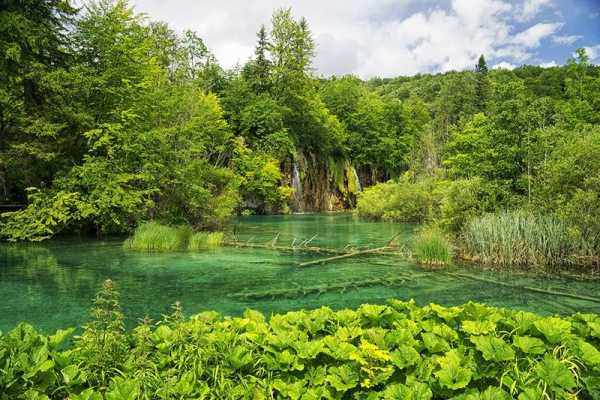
555, 373
554, 329
493, 348
401, 351
453, 373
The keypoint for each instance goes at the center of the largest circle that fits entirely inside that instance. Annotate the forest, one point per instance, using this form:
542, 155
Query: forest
109, 119
127, 150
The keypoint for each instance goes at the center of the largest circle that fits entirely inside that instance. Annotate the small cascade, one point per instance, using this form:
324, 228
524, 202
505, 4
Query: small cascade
297, 186
356, 180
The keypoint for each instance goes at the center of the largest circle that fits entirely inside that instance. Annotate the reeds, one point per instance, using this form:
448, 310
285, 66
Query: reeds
205, 240
517, 238
152, 236
432, 247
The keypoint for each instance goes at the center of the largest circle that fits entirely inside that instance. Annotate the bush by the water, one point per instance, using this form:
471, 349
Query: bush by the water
402, 201
152, 236
394, 351
518, 238
431, 246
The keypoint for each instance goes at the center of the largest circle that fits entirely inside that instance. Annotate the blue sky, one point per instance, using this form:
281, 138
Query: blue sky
399, 37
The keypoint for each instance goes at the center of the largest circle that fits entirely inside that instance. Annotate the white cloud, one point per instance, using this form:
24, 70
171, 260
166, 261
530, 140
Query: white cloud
368, 37
533, 36
593, 52
565, 40
504, 65
549, 64
530, 9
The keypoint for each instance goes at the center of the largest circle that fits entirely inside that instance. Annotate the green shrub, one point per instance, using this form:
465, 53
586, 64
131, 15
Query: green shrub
152, 236
394, 351
432, 247
402, 201
205, 240
518, 238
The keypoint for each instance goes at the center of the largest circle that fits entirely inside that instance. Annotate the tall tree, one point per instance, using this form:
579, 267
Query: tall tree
482, 88
37, 122
258, 71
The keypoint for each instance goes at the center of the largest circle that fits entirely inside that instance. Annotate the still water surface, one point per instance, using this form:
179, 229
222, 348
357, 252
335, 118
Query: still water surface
51, 285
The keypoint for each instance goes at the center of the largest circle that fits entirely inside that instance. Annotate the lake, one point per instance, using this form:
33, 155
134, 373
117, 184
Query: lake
52, 284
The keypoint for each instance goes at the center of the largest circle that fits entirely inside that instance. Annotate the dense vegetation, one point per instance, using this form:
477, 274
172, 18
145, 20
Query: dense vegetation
395, 351
108, 120
531, 150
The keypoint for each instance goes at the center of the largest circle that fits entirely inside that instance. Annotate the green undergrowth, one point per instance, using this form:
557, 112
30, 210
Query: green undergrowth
393, 351
152, 236
432, 247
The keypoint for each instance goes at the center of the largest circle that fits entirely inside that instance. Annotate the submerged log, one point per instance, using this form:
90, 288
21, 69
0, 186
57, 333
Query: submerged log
527, 288
319, 289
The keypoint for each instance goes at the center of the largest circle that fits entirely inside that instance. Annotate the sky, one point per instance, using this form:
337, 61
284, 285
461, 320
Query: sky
387, 38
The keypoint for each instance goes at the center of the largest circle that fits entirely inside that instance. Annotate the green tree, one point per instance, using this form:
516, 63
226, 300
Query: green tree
482, 87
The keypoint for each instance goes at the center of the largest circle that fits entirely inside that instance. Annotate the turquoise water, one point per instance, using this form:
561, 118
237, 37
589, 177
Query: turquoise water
51, 285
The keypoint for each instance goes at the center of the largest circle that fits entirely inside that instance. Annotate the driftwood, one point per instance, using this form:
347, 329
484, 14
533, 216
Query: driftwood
528, 288
347, 255
272, 246
303, 246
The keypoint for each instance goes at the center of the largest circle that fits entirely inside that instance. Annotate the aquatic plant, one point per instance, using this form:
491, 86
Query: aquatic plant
205, 240
152, 236
432, 247
393, 351
518, 238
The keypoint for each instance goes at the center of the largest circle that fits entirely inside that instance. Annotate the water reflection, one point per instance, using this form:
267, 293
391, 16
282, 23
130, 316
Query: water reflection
52, 284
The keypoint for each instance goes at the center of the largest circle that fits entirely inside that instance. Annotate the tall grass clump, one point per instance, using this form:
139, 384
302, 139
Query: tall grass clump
432, 247
518, 238
152, 236
205, 240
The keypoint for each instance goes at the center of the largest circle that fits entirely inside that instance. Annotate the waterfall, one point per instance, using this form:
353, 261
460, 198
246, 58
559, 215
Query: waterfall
297, 186
356, 180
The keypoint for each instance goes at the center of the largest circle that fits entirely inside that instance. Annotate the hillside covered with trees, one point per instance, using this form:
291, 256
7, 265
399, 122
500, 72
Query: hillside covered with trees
108, 119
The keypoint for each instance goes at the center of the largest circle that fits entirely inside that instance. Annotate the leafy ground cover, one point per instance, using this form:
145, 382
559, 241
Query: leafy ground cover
393, 351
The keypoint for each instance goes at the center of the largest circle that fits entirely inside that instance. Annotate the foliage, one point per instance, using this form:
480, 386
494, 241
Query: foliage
115, 119
570, 184
389, 351
518, 238
432, 247
403, 201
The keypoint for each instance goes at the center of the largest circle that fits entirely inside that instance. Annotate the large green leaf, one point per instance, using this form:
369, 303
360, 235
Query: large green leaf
554, 329
122, 389
554, 373
453, 373
434, 343
410, 391
404, 356
292, 390
343, 378
529, 345
478, 327
493, 348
